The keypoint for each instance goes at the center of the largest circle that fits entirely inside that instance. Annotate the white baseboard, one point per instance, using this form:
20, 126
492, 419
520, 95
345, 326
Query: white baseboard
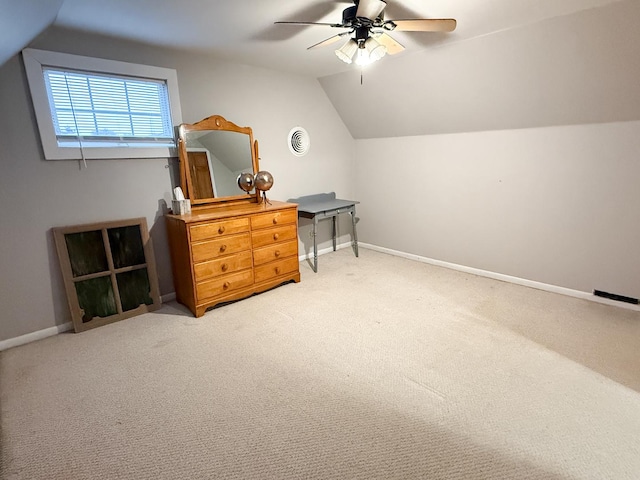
33, 336
322, 251
505, 278
48, 332
168, 297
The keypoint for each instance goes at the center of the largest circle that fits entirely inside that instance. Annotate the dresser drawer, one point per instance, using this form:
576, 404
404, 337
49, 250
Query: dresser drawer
275, 269
225, 284
227, 245
222, 266
204, 231
270, 236
271, 219
275, 252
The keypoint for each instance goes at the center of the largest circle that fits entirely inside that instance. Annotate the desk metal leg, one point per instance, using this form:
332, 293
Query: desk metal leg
335, 230
355, 233
315, 245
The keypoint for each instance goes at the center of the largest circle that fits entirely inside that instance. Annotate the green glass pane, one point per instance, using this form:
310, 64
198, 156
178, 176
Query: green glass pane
134, 289
126, 246
96, 298
86, 252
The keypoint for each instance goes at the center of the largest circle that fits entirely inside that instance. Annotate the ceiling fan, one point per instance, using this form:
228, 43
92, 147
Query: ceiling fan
367, 31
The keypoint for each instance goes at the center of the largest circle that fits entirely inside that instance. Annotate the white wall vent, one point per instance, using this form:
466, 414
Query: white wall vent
299, 141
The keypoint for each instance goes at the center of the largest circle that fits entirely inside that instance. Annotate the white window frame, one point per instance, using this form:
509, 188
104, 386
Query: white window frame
35, 60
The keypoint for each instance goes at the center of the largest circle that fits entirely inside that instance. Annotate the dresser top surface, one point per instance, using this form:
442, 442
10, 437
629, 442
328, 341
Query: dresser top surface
220, 212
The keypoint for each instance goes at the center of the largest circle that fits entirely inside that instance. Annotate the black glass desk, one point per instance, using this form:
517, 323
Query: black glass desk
326, 205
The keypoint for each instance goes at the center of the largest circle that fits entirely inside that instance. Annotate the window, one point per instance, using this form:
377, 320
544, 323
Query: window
107, 109
95, 108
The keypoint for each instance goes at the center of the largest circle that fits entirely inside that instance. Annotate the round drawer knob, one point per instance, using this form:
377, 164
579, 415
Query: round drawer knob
223, 248
226, 285
277, 270
221, 230
277, 253
225, 267
276, 236
275, 221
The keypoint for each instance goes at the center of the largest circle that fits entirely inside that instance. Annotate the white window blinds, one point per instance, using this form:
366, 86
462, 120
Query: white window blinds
108, 109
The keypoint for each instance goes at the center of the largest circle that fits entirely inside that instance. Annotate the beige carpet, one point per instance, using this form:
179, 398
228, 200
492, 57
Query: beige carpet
377, 367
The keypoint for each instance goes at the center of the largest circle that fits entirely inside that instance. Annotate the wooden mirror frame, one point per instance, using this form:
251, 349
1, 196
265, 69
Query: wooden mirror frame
214, 122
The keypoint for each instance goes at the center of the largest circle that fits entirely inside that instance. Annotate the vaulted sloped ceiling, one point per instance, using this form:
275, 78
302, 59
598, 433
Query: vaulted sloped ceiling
21, 21
508, 65
579, 68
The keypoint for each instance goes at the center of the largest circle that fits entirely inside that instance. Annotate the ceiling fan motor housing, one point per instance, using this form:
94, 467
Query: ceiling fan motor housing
349, 15
362, 33
349, 18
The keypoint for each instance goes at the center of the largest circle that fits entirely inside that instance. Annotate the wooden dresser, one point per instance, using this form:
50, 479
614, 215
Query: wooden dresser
226, 253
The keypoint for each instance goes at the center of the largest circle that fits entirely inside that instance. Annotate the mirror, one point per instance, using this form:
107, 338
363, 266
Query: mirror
213, 152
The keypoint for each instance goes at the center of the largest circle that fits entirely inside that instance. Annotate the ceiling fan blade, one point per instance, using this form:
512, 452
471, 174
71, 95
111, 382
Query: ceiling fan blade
424, 25
391, 45
370, 9
329, 40
311, 23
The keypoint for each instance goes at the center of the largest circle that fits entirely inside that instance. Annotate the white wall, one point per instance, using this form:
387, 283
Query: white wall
558, 205
37, 195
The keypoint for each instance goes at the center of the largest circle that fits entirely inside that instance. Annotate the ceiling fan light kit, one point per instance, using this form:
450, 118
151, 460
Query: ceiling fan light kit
367, 29
365, 51
374, 50
347, 51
